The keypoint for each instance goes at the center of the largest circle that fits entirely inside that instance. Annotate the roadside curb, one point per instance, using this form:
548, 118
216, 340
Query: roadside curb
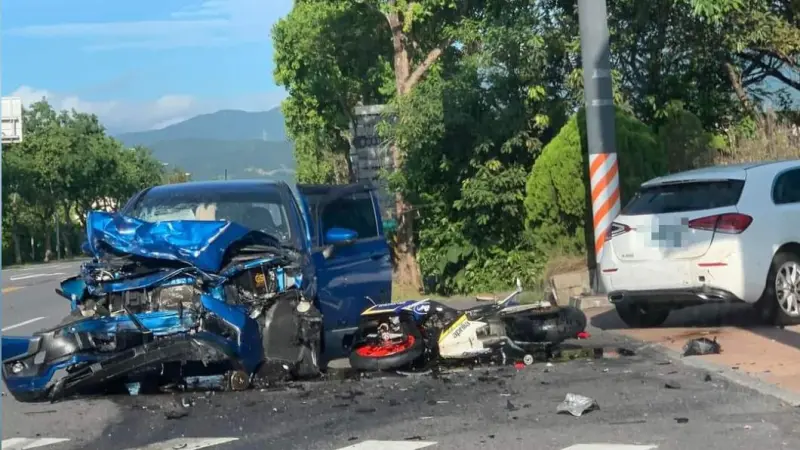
731, 375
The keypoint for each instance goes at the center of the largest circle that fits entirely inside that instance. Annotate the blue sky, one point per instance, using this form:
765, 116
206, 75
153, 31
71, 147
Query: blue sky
141, 65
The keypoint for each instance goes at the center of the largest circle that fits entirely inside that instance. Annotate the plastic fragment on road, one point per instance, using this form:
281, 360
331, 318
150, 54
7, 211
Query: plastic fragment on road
577, 405
584, 335
702, 346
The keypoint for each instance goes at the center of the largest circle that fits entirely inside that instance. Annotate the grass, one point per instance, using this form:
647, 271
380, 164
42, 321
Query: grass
772, 141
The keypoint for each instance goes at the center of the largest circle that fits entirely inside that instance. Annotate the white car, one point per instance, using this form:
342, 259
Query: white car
717, 234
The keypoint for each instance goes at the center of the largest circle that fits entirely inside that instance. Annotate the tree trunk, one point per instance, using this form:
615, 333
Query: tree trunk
17, 248
406, 267
48, 245
741, 94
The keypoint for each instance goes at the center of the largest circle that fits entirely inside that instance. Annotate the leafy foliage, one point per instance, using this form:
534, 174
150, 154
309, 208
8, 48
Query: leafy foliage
65, 166
558, 210
684, 142
501, 80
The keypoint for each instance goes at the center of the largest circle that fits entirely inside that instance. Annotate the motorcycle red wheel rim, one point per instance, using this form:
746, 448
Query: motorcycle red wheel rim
381, 351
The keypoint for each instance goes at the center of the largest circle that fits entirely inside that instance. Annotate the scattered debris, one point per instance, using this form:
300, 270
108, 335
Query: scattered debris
510, 406
367, 410
176, 414
414, 438
672, 385
626, 352
702, 346
577, 405
682, 420
707, 378
584, 335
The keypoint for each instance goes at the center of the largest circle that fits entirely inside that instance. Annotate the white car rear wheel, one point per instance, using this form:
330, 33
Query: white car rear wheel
781, 302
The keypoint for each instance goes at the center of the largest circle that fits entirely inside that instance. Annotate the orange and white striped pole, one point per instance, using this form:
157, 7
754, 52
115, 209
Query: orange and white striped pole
600, 129
604, 182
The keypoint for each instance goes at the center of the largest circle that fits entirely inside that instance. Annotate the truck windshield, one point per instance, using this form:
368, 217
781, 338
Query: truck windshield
262, 210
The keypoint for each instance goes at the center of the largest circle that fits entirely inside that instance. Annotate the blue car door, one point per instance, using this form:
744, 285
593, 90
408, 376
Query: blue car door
354, 275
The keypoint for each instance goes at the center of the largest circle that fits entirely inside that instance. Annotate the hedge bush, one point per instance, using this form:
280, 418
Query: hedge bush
557, 203
685, 143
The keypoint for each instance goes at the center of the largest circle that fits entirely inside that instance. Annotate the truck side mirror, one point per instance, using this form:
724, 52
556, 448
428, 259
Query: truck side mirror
340, 236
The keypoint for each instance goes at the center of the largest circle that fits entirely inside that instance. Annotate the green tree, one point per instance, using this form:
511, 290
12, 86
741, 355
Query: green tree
762, 38
558, 208
330, 56
684, 142
65, 166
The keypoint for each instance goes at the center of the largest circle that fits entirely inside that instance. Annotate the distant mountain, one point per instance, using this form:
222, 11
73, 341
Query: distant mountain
221, 125
208, 159
246, 144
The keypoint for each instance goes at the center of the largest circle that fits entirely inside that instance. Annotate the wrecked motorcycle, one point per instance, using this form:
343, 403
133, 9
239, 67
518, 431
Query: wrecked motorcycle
171, 301
403, 334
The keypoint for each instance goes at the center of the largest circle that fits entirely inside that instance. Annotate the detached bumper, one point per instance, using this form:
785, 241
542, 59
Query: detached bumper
674, 298
37, 380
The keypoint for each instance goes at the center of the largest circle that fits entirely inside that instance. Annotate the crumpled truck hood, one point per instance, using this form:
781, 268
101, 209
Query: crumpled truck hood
199, 243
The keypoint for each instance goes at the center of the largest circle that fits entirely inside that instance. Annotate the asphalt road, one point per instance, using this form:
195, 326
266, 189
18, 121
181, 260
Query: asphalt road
644, 402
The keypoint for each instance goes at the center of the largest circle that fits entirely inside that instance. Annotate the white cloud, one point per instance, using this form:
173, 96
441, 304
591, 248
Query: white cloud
207, 23
120, 116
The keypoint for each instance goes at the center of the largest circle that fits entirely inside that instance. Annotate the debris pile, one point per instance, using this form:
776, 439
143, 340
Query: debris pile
577, 405
702, 346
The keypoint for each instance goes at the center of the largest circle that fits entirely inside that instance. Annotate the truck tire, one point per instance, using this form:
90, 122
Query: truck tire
640, 316
372, 358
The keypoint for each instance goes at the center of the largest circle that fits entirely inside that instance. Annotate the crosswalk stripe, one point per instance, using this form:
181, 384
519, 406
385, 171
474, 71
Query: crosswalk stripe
27, 443
389, 445
610, 447
187, 443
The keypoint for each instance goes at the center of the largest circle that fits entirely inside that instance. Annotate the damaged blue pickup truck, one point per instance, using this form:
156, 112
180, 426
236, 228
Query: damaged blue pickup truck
229, 280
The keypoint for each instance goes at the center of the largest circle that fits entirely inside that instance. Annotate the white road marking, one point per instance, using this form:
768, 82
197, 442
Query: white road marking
22, 324
610, 447
35, 275
187, 443
389, 445
26, 443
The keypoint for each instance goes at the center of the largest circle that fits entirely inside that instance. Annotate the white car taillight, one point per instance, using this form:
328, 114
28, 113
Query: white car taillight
733, 223
616, 229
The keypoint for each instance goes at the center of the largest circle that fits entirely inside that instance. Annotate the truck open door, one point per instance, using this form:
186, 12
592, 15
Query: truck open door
353, 270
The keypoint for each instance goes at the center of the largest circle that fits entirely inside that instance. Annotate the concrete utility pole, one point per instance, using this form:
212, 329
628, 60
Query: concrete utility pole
600, 129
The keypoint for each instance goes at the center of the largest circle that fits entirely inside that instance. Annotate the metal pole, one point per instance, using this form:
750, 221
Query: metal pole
600, 129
